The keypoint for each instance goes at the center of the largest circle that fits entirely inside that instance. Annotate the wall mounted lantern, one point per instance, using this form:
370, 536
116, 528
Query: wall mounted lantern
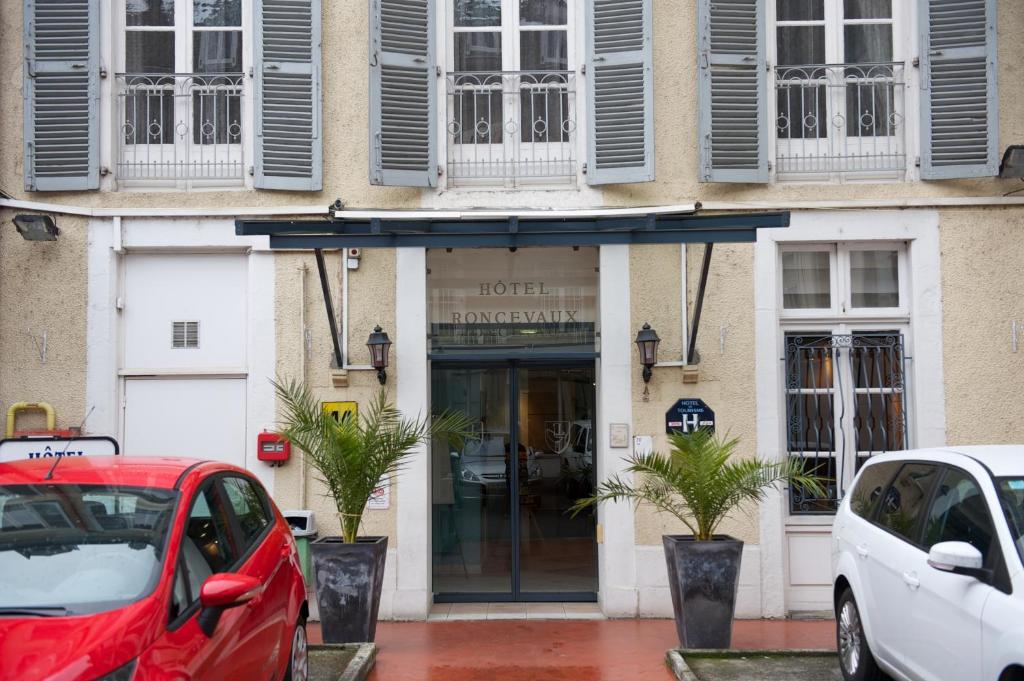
379, 344
647, 343
36, 227
1013, 162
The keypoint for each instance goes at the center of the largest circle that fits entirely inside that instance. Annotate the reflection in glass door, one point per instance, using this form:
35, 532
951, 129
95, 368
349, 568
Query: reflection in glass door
501, 526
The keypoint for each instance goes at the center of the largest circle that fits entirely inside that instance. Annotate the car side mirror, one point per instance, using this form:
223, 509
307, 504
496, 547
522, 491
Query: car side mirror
959, 558
222, 591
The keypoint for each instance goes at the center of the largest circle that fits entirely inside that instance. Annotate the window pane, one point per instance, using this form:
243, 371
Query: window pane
217, 51
208, 538
477, 12
802, 105
868, 9
149, 52
809, 362
248, 507
870, 106
149, 12
905, 499
877, 360
543, 12
959, 513
811, 423
799, 45
476, 109
806, 280
874, 278
217, 13
149, 111
179, 596
800, 10
477, 52
868, 43
878, 420
1011, 498
544, 51
802, 500
869, 487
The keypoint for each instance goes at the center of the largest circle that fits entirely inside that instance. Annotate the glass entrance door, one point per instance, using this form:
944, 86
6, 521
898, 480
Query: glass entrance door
501, 526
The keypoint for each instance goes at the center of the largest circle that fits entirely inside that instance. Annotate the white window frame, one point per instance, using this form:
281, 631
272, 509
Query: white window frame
183, 31
511, 59
905, 42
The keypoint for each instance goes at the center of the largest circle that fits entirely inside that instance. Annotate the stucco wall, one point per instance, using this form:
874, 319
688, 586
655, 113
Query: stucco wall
43, 290
372, 294
726, 367
983, 292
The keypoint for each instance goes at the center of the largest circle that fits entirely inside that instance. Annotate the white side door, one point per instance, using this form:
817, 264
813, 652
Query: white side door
194, 417
944, 636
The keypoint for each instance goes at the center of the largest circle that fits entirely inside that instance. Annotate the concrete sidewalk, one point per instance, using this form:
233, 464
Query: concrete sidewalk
559, 650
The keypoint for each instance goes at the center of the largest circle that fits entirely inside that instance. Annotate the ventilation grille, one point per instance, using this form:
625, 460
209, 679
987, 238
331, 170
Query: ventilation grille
735, 117
405, 118
956, 23
404, 26
185, 335
288, 125
734, 27
287, 27
618, 26
619, 116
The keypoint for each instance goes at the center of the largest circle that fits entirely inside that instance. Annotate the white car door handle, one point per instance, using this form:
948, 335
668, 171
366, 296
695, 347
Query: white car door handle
862, 551
911, 580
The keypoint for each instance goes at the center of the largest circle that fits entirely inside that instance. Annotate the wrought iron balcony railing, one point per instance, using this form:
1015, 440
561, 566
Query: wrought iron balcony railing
511, 127
180, 126
840, 119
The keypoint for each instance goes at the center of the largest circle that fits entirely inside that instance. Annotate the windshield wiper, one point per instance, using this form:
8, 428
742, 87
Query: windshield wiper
44, 611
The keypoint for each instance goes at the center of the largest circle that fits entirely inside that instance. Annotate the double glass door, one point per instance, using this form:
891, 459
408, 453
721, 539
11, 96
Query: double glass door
502, 530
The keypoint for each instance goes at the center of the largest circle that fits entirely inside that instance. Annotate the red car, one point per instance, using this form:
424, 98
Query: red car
119, 568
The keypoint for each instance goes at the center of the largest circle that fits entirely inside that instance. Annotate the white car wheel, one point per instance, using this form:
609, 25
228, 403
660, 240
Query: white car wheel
298, 665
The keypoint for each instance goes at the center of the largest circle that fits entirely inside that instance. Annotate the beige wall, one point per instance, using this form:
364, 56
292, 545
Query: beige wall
373, 301
726, 371
43, 290
983, 292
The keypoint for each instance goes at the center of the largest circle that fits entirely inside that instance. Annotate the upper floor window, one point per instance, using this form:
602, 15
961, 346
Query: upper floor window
180, 92
839, 89
511, 92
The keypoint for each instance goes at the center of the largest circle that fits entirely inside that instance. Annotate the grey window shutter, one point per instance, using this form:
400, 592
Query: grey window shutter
959, 98
289, 144
732, 91
620, 92
62, 95
403, 93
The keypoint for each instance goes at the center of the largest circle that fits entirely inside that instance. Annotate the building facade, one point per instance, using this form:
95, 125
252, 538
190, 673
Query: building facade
160, 135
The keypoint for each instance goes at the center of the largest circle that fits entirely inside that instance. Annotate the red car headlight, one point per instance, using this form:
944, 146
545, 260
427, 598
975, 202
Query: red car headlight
124, 673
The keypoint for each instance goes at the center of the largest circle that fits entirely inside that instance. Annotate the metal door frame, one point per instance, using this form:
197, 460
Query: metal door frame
513, 365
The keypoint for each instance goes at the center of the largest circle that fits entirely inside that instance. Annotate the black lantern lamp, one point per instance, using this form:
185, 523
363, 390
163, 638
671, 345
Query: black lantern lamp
647, 343
379, 344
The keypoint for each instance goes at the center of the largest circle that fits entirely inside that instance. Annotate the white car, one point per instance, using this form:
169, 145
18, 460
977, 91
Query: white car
928, 556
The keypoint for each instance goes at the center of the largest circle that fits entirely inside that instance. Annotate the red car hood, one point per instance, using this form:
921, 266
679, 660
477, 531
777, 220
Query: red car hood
74, 648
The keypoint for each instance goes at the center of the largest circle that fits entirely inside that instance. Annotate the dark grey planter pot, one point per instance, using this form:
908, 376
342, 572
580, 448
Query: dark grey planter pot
348, 581
703, 577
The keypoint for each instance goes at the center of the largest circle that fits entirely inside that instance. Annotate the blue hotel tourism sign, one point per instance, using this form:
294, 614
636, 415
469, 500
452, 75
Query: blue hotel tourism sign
687, 415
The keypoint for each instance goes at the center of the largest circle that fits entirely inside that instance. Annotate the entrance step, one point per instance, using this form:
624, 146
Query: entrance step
450, 612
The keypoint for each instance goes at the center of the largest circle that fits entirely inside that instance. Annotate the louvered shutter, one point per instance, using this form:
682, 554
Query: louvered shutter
403, 93
62, 91
289, 146
733, 83
620, 93
959, 98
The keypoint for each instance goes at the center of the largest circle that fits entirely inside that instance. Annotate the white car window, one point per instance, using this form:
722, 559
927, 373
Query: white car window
959, 513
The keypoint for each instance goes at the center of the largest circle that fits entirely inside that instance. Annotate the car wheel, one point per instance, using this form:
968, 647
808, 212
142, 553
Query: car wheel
298, 661
855, 658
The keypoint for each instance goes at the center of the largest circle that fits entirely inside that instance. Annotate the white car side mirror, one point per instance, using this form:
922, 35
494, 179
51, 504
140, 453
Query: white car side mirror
959, 558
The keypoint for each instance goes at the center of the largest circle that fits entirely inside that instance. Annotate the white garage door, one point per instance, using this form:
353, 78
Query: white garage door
194, 417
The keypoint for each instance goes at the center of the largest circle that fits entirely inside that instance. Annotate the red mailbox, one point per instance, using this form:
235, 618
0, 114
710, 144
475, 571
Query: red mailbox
272, 448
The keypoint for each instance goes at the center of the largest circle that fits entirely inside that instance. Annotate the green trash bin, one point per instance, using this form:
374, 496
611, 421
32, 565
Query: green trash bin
304, 530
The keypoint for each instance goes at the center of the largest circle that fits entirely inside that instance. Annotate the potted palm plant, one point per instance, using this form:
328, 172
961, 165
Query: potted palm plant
353, 457
700, 483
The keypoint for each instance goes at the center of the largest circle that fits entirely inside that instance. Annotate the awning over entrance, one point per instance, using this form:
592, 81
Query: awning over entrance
496, 229
513, 231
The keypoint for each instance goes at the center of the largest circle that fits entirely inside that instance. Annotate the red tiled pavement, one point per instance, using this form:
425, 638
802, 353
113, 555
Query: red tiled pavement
557, 650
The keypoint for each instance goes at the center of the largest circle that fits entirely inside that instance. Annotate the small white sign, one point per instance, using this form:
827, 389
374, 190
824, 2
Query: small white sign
380, 500
643, 445
618, 435
25, 449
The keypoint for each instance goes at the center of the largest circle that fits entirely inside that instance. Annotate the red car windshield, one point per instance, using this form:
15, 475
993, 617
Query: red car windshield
80, 549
